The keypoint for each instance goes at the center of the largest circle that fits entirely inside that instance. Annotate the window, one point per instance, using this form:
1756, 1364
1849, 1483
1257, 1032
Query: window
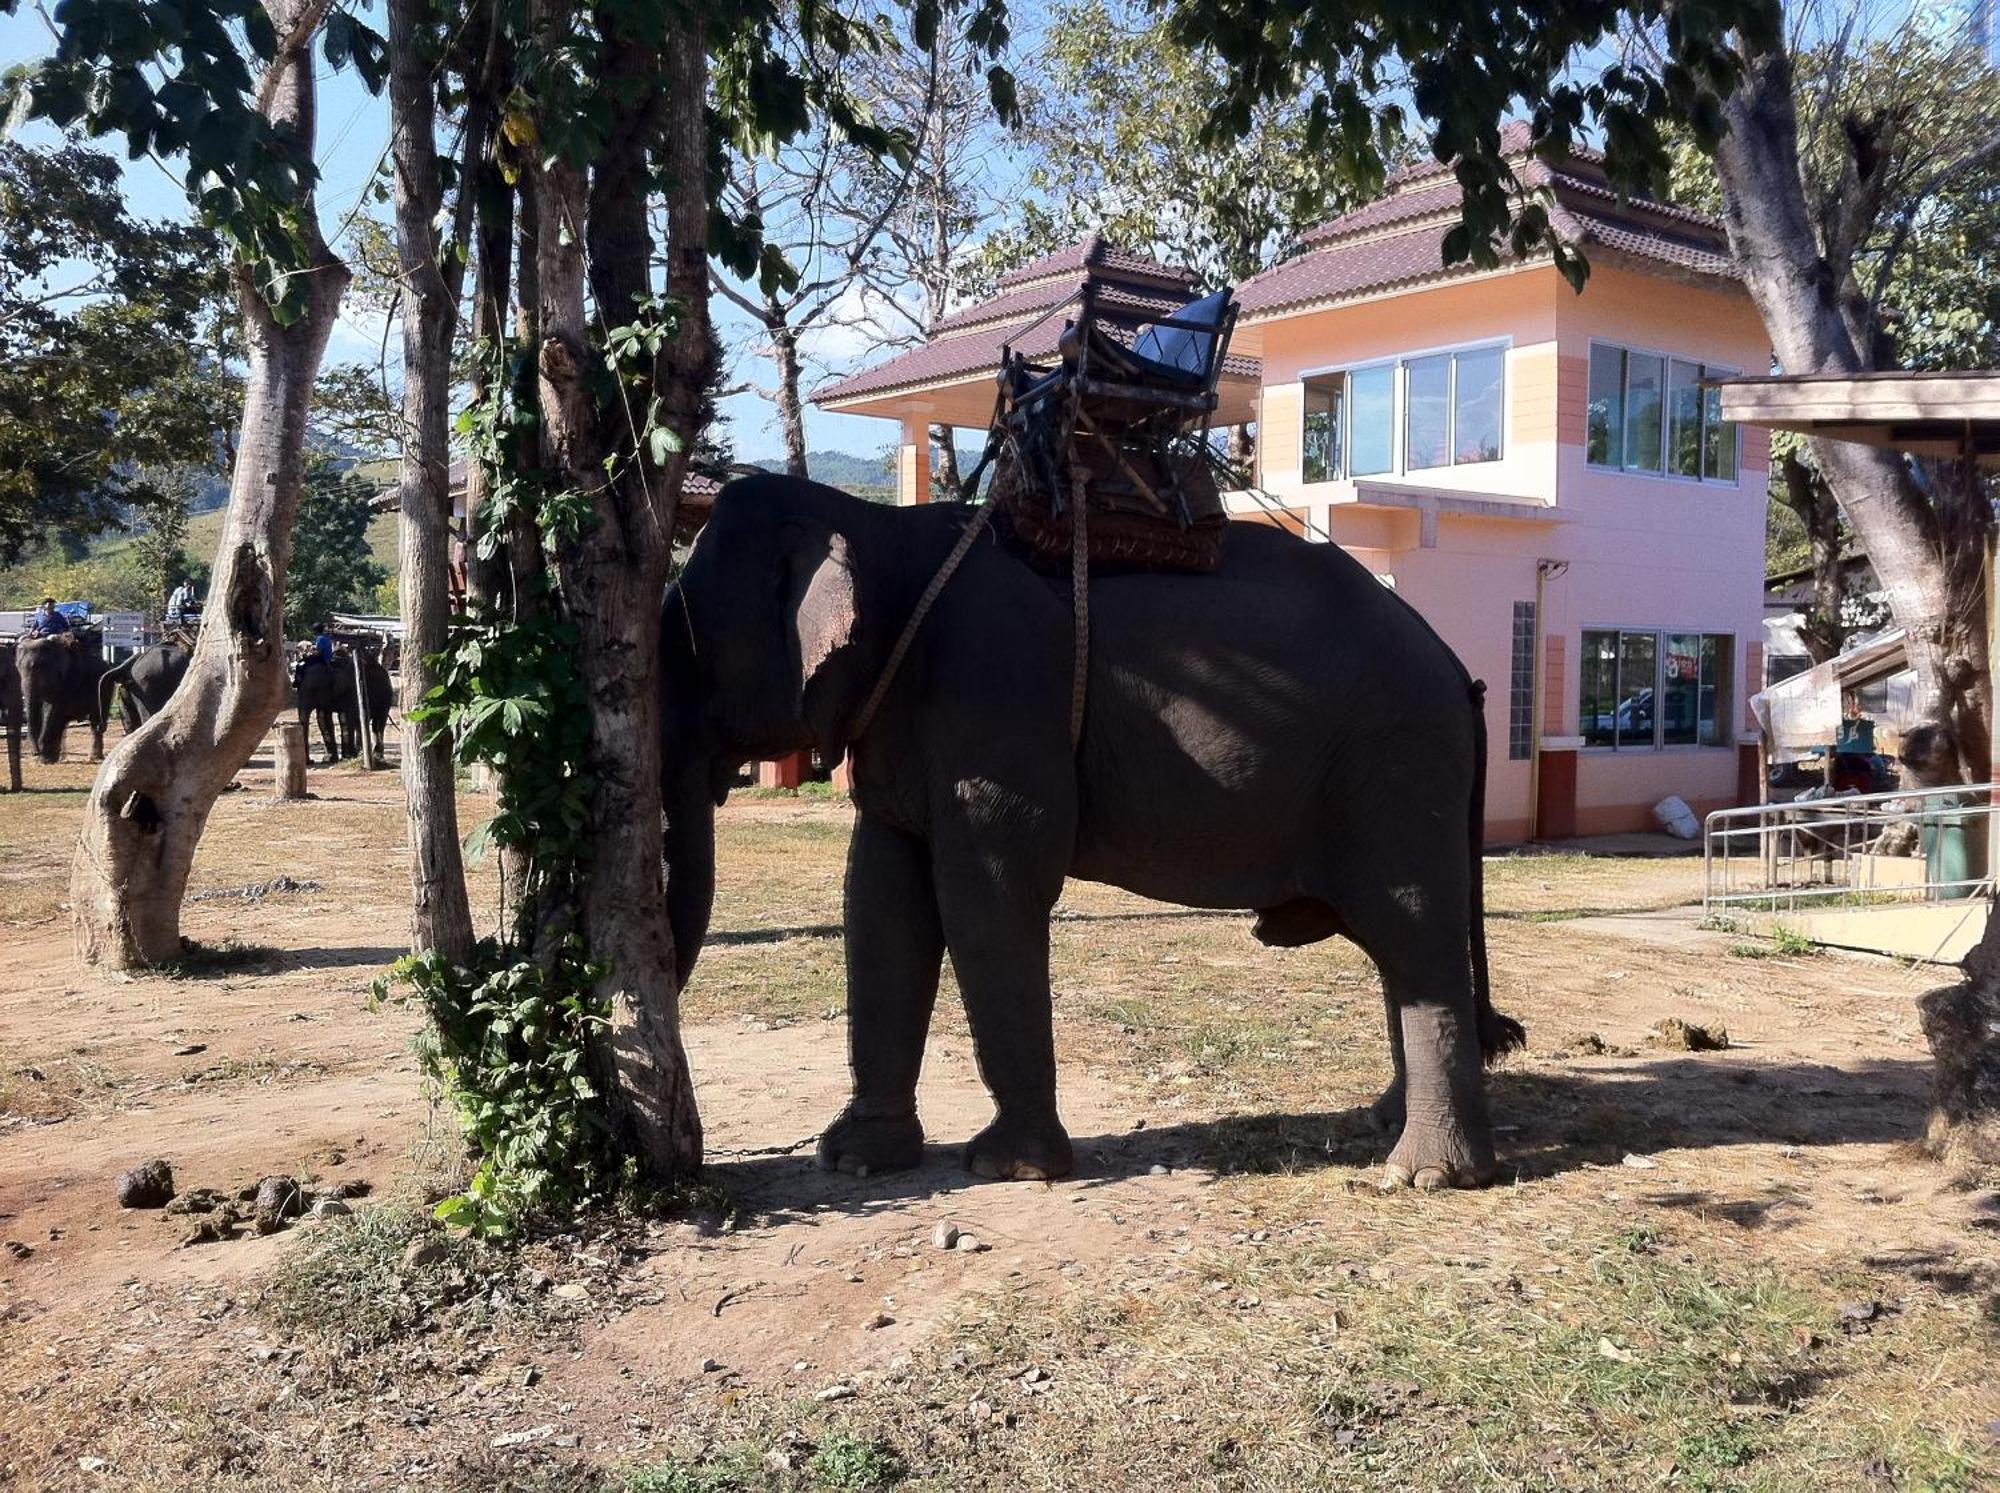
1319, 460
1649, 413
1641, 689
1451, 415
1427, 400
1372, 392
1521, 685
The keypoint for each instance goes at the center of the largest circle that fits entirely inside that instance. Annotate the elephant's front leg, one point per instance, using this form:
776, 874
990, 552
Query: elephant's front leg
895, 949
996, 892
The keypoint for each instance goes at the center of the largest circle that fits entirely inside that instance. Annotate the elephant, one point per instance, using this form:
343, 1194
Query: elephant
1282, 734
326, 691
149, 678
59, 678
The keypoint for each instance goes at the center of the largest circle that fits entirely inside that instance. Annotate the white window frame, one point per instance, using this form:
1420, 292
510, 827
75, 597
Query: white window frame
1399, 404
1660, 634
1667, 361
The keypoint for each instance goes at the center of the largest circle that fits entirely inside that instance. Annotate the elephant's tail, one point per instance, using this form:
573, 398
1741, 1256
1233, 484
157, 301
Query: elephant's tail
1497, 1034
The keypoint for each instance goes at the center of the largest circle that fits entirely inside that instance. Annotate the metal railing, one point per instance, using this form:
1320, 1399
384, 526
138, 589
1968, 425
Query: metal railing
1915, 846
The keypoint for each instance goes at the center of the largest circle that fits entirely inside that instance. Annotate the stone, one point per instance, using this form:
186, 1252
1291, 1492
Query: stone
149, 1185
1156, 1170
19, 1250
330, 1207
572, 1290
277, 1200
945, 1235
969, 1244
835, 1392
877, 1322
710, 1366
423, 1252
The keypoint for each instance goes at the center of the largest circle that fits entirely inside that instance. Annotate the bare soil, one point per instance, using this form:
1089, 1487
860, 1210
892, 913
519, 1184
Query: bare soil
1719, 1269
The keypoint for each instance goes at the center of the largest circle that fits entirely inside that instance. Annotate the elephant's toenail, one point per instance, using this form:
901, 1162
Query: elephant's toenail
1431, 1179
1394, 1178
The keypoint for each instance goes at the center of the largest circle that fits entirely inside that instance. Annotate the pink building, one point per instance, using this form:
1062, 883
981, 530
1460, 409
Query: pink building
1539, 472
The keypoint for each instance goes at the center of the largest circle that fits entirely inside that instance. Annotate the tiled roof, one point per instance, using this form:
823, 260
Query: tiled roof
1029, 314
1398, 239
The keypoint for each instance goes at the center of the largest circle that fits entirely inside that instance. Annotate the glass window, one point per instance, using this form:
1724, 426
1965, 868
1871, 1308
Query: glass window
1475, 423
1320, 454
1599, 698
1681, 710
1684, 419
1371, 421
1427, 394
1644, 375
1638, 687
1718, 459
1605, 445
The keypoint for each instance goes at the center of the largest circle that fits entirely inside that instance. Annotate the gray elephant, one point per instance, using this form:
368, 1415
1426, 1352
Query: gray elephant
1283, 734
59, 677
147, 679
325, 692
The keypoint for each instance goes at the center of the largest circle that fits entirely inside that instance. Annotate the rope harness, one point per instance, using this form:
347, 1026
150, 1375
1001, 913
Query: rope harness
1079, 600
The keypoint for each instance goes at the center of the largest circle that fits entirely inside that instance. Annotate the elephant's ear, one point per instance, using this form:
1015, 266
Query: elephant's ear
823, 620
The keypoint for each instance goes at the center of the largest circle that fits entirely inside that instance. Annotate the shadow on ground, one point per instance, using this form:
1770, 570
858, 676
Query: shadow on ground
1550, 1123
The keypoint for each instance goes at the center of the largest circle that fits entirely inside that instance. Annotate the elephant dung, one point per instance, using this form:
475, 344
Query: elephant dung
278, 1199
149, 1185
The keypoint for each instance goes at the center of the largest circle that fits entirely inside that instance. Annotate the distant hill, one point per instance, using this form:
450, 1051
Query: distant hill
841, 468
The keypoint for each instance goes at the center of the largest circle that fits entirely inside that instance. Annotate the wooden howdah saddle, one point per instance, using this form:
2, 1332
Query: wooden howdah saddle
1118, 426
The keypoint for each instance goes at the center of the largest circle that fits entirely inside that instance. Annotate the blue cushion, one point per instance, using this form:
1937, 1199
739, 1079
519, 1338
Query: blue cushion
1184, 349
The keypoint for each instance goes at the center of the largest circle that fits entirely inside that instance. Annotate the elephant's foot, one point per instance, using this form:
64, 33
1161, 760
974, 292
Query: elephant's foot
1385, 1115
1013, 1151
1438, 1155
864, 1144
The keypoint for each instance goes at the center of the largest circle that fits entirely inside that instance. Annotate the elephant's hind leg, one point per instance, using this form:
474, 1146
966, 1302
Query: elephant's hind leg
895, 951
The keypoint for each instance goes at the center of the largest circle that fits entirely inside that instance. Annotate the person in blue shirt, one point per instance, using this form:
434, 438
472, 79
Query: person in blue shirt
47, 621
322, 643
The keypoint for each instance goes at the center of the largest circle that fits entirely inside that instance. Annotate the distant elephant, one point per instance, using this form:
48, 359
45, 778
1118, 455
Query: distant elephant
149, 678
1283, 734
326, 692
59, 678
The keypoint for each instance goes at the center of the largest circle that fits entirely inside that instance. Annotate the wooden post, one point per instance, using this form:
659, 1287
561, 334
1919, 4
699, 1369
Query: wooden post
371, 753
14, 755
289, 778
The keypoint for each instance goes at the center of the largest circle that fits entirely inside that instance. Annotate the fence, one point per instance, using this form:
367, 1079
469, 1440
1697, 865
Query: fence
1917, 847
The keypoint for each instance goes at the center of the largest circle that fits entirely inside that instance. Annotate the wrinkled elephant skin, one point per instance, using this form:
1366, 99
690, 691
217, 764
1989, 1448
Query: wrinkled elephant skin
1283, 734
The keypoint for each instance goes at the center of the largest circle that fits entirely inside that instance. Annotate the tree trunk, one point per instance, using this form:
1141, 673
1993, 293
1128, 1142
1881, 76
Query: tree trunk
154, 792
1927, 549
944, 470
1812, 500
791, 409
440, 917
611, 578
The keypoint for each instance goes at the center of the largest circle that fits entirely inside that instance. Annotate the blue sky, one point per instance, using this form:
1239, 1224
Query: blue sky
353, 135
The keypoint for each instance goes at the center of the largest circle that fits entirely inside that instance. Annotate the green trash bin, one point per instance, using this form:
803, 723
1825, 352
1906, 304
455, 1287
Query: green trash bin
1954, 841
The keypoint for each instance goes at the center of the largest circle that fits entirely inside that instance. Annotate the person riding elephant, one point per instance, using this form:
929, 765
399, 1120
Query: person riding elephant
47, 620
325, 690
147, 680
59, 678
1247, 741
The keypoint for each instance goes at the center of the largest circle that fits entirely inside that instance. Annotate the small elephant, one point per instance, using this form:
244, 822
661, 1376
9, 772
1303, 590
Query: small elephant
148, 680
59, 678
1283, 734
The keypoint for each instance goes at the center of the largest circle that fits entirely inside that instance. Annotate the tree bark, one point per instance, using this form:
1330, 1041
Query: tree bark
1812, 500
154, 792
612, 577
440, 916
1927, 548
791, 409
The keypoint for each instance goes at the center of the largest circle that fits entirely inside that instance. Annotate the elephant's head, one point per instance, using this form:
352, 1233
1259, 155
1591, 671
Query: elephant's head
51, 671
760, 656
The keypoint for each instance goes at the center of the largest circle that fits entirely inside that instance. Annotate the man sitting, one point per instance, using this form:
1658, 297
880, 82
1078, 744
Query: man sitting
183, 608
322, 644
47, 621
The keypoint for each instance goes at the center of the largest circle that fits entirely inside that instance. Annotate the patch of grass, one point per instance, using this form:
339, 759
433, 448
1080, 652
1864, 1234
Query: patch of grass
1750, 951
736, 1470
855, 1462
1128, 1012
1792, 943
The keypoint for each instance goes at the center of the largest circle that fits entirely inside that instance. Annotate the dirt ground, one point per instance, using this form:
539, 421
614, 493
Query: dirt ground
1727, 1269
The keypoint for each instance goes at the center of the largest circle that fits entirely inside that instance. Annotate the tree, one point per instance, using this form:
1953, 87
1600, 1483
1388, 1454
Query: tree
162, 544
331, 568
176, 81
1117, 127
114, 340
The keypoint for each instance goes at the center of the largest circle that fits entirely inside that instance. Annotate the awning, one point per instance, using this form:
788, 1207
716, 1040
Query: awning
1926, 414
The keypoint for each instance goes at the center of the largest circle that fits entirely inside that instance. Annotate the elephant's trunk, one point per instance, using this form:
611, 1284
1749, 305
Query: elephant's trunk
690, 865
